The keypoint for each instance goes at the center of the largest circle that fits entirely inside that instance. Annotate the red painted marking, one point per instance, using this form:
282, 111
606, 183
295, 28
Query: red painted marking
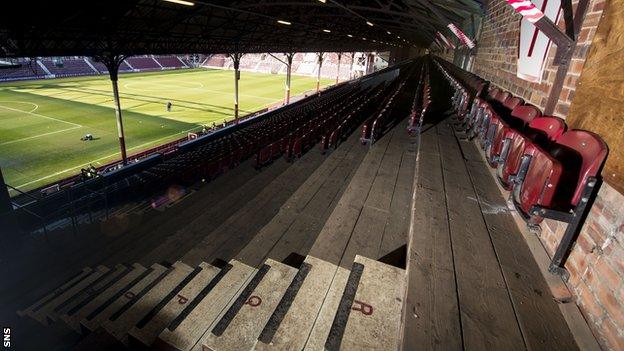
129, 295
363, 307
253, 301
182, 300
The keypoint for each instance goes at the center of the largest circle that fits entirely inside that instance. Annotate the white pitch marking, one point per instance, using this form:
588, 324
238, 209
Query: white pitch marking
40, 135
22, 102
40, 115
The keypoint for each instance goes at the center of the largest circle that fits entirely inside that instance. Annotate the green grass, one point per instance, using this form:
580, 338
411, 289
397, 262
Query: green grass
41, 122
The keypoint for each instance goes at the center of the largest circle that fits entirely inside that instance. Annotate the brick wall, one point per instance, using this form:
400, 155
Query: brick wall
596, 263
498, 50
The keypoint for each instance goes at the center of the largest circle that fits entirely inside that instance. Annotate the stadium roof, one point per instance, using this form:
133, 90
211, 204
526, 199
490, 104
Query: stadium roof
134, 27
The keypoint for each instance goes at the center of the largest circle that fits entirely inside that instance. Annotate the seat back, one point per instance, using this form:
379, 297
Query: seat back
517, 145
592, 152
502, 96
512, 102
545, 129
541, 180
493, 93
525, 112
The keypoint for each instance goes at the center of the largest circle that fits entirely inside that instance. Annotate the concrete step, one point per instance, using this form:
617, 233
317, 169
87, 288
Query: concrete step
136, 281
145, 332
73, 317
193, 325
241, 325
325, 317
56, 292
369, 314
41, 314
291, 323
87, 294
123, 320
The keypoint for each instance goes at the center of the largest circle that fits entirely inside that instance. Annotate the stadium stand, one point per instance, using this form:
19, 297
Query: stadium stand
26, 69
146, 63
68, 66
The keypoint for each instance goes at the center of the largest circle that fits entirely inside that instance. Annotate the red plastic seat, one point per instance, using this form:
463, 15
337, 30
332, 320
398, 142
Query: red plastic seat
493, 92
544, 130
517, 144
512, 102
526, 113
591, 152
539, 185
502, 96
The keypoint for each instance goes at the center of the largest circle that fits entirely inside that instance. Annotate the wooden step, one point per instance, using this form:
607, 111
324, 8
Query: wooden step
123, 320
291, 323
86, 295
369, 318
241, 325
73, 318
56, 292
194, 323
325, 318
41, 314
134, 286
147, 329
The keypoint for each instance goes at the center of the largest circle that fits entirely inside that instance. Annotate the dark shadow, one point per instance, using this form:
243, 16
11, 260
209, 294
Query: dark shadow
294, 260
397, 258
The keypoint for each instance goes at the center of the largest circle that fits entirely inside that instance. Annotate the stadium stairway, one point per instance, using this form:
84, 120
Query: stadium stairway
231, 307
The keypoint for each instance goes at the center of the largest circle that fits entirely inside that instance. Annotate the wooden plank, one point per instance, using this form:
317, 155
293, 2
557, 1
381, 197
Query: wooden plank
366, 236
73, 320
431, 312
41, 315
146, 334
395, 231
188, 332
49, 297
487, 315
243, 330
540, 318
334, 236
375, 317
293, 331
325, 318
257, 250
119, 325
132, 288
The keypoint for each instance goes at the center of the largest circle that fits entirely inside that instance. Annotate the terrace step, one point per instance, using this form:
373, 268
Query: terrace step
42, 312
146, 331
55, 293
136, 281
87, 294
189, 328
73, 317
291, 323
241, 325
123, 320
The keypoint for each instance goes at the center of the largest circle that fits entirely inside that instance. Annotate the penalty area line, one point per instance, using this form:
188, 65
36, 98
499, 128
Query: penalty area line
39, 135
40, 115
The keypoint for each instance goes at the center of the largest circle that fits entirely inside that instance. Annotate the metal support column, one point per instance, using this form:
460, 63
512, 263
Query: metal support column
289, 60
112, 63
318, 77
8, 226
236, 60
338, 68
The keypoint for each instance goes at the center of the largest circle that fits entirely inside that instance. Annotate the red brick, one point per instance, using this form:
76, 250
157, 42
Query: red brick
588, 304
614, 340
612, 306
607, 274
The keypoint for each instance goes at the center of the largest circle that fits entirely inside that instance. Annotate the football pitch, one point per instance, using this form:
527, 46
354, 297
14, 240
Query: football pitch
41, 122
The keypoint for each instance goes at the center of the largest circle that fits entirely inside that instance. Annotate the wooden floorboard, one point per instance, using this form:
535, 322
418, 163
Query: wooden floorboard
487, 316
431, 313
543, 325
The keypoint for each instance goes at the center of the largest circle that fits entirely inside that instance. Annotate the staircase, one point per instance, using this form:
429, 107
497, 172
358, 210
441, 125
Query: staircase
231, 306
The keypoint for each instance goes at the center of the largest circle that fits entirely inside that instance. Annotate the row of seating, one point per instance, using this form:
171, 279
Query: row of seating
422, 101
394, 106
552, 171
